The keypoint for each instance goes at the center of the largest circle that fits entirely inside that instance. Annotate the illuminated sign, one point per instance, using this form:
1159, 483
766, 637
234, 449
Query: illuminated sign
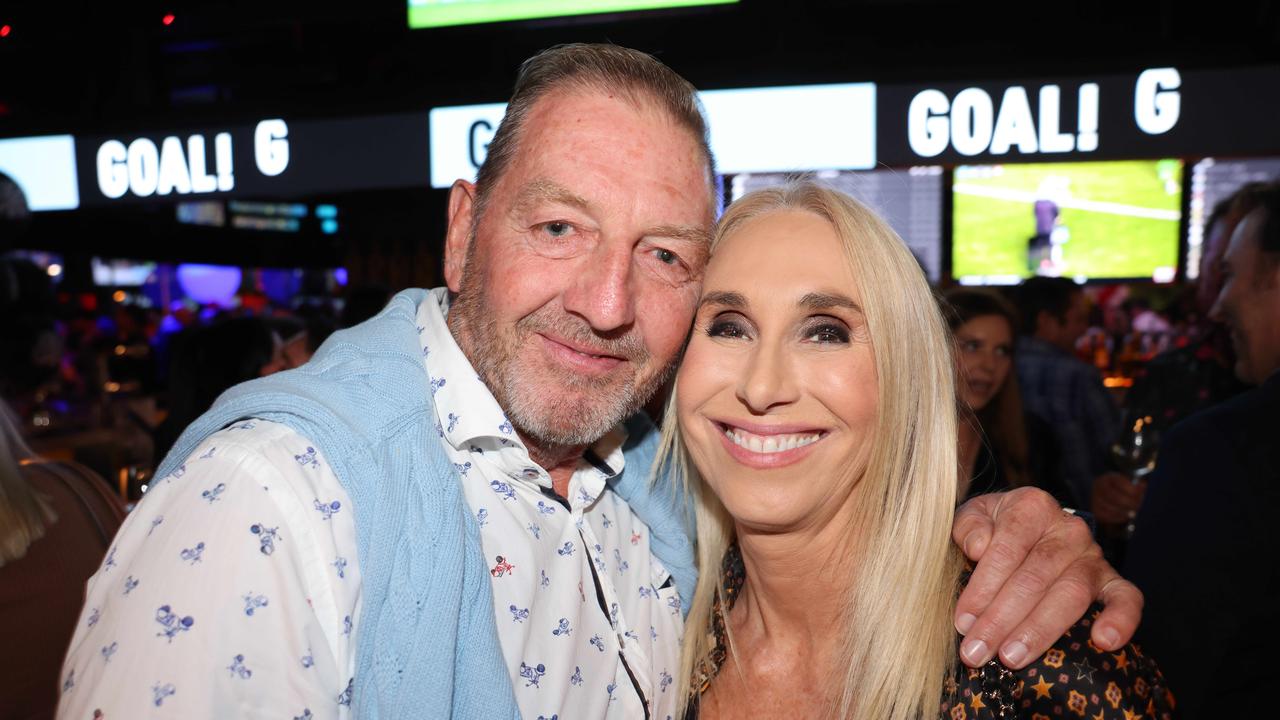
44, 169
1158, 112
272, 157
780, 129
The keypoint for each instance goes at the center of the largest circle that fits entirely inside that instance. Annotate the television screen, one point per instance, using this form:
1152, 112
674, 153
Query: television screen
440, 13
114, 272
1085, 221
1212, 181
910, 200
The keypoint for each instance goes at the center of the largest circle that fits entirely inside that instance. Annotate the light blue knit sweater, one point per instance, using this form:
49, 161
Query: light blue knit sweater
428, 644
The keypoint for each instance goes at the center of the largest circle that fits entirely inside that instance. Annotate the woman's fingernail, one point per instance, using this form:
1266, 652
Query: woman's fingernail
1014, 653
975, 651
965, 622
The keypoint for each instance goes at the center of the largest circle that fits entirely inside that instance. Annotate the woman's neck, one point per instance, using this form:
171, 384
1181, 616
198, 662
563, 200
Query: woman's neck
797, 586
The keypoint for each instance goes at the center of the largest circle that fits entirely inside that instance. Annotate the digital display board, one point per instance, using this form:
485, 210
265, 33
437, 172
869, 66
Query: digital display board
442, 13
1085, 221
1212, 181
909, 200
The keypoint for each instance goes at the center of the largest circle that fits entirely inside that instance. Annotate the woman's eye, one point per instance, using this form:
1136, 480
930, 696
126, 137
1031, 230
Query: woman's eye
970, 346
828, 334
1004, 351
725, 328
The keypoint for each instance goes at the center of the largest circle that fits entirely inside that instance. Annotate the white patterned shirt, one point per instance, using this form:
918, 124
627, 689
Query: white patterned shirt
234, 589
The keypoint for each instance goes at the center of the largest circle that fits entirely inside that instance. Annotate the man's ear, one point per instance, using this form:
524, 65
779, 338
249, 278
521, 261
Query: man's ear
460, 231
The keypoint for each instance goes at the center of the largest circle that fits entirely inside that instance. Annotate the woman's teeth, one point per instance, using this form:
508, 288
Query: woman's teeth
769, 443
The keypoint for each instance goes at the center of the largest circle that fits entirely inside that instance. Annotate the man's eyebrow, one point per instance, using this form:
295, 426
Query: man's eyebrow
688, 233
724, 298
546, 191
826, 301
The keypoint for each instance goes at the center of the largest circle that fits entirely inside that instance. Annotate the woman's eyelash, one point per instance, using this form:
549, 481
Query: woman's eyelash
828, 332
725, 328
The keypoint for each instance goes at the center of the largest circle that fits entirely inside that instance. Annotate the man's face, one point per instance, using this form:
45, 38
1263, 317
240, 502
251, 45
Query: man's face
1065, 331
577, 286
1249, 303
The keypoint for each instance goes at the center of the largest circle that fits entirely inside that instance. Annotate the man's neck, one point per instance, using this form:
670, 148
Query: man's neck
559, 461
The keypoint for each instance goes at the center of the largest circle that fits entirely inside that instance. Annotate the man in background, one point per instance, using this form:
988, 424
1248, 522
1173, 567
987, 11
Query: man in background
1205, 545
1068, 395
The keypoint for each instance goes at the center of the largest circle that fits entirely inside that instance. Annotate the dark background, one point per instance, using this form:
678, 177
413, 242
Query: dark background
99, 69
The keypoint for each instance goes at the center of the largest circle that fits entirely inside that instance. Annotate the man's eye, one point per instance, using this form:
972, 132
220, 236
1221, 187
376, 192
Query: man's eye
666, 257
557, 228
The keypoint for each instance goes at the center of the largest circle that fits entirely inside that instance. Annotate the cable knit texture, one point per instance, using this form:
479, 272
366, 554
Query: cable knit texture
427, 646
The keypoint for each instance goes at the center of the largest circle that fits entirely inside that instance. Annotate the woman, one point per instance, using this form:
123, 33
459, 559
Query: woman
1001, 447
813, 422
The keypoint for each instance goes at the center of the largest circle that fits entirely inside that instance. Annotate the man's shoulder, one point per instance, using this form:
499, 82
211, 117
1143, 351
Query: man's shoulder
1251, 413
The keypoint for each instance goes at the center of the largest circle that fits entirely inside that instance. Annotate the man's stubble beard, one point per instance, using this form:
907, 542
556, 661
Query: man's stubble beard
553, 418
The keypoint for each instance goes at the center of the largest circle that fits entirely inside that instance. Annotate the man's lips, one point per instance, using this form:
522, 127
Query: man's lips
763, 446
580, 357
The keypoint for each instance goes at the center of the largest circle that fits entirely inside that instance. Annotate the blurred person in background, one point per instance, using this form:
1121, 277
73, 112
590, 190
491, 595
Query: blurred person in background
1205, 543
56, 521
1001, 446
1186, 380
1068, 395
205, 361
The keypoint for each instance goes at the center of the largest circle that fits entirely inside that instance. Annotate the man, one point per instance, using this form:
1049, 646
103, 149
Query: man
446, 512
1219, 473
1068, 395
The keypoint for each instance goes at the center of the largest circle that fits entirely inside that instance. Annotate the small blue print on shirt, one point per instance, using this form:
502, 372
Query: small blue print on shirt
308, 458
253, 602
160, 692
503, 489
212, 493
192, 554
171, 624
267, 537
519, 614
532, 674
327, 511
238, 668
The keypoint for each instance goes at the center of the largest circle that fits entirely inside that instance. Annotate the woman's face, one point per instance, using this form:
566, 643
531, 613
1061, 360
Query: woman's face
777, 392
985, 354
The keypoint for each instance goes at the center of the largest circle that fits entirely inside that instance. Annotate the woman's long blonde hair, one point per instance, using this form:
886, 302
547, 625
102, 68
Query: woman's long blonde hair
898, 644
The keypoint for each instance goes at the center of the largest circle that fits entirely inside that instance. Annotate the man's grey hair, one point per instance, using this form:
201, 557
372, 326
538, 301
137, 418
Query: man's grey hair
639, 78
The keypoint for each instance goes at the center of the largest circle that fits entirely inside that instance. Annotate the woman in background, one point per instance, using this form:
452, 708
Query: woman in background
1001, 445
56, 522
813, 422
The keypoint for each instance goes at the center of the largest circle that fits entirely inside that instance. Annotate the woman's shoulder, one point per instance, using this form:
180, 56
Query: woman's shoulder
1074, 678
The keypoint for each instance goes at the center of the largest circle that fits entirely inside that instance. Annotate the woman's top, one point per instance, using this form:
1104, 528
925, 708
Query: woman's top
1074, 679
41, 592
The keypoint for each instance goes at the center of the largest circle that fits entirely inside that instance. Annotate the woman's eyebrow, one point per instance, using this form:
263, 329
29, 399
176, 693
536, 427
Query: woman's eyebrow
723, 298
826, 301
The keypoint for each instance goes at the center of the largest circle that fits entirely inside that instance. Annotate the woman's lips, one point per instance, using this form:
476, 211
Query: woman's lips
765, 447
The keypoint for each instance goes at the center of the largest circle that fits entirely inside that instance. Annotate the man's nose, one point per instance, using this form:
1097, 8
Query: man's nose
603, 293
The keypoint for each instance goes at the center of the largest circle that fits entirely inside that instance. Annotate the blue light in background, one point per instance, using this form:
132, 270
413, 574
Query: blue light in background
329, 226
210, 284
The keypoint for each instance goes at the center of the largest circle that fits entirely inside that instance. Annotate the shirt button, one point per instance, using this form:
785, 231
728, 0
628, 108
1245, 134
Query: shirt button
531, 474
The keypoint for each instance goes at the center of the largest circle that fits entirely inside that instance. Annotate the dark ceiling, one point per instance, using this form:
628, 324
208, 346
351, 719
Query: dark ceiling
75, 65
